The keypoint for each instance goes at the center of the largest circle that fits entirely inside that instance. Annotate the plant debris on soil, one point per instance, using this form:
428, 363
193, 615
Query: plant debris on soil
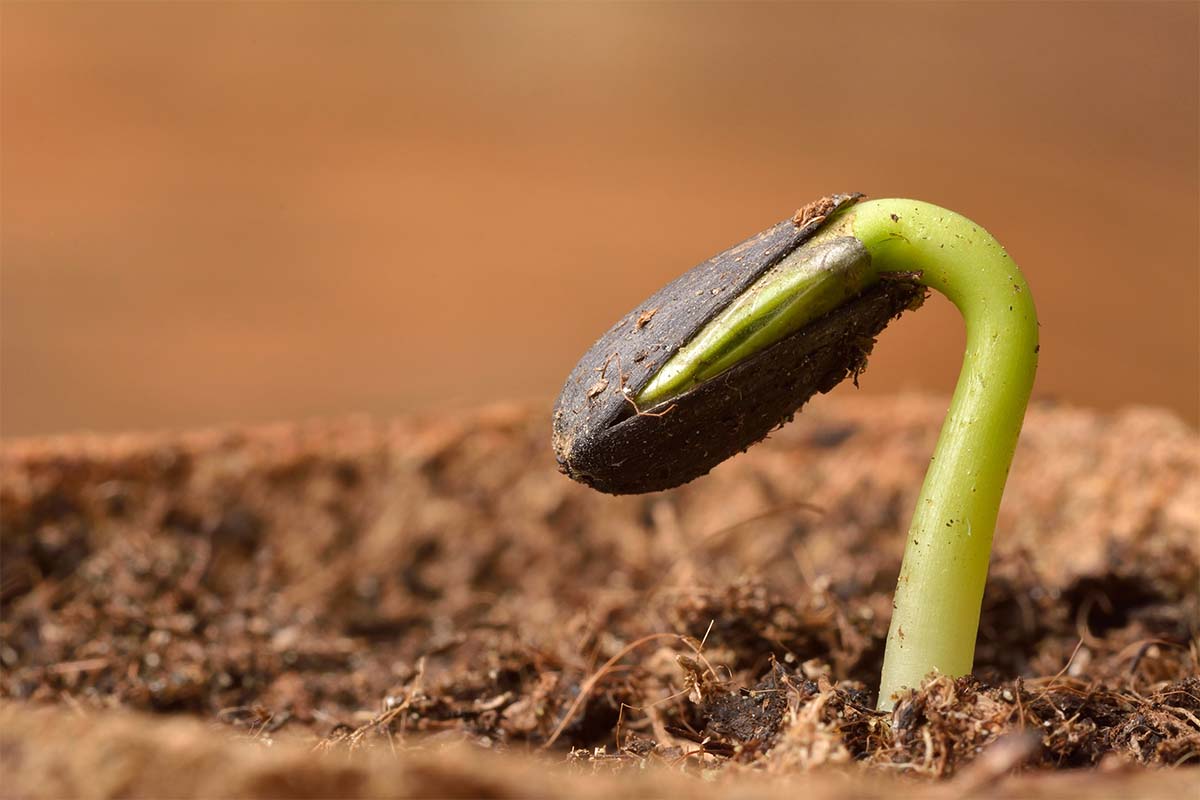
384, 588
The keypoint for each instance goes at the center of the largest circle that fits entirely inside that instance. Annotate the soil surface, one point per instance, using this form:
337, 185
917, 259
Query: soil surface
427, 607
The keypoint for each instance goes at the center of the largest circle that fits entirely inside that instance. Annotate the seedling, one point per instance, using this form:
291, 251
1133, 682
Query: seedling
716, 359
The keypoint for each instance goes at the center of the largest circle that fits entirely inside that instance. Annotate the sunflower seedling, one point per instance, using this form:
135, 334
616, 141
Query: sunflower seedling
713, 361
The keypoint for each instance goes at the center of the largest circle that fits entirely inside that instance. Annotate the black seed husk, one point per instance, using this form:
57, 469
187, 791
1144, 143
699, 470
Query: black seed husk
601, 440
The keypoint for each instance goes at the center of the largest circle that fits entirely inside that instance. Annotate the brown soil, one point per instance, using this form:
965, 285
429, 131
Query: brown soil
364, 596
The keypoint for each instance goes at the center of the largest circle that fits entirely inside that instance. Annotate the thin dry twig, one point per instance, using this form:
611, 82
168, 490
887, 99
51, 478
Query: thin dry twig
586, 688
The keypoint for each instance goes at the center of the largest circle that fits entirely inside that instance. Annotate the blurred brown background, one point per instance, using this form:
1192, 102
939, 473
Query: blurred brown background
216, 213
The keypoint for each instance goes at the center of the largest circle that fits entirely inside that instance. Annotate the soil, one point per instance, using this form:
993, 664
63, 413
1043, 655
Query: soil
427, 607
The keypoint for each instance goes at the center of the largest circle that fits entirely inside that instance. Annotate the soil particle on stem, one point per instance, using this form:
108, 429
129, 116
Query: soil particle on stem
361, 586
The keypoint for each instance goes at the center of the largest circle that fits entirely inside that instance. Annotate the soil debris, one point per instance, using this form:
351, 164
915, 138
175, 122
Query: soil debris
814, 212
644, 318
364, 587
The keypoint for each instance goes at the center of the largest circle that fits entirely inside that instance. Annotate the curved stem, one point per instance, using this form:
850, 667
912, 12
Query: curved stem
940, 588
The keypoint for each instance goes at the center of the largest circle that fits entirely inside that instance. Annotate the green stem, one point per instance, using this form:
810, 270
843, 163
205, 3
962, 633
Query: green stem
942, 578
940, 588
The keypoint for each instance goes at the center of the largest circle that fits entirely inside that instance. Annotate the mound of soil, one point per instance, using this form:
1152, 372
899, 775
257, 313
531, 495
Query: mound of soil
386, 589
